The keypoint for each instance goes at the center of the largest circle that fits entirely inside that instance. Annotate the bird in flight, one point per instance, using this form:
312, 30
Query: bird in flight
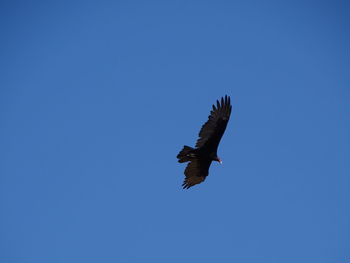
205, 152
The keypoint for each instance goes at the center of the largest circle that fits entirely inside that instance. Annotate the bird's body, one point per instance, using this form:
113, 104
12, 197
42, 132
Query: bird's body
201, 157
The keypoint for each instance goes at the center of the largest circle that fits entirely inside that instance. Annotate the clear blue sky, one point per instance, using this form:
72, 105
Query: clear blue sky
98, 97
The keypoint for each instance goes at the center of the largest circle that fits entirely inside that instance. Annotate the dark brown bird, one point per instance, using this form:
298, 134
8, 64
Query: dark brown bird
200, 158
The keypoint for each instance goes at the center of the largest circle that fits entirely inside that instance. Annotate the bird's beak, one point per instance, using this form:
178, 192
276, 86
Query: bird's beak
220, 161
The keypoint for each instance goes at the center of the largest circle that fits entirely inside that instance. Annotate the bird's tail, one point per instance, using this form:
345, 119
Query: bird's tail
184, 154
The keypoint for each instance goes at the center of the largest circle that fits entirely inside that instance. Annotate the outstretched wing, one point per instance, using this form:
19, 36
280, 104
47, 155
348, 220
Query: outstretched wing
195, 172
212, 131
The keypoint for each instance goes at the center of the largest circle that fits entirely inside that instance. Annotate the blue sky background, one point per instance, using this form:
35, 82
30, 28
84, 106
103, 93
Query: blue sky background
98, 97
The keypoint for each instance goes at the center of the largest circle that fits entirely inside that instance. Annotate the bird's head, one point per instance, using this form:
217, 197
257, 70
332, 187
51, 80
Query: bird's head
217, 159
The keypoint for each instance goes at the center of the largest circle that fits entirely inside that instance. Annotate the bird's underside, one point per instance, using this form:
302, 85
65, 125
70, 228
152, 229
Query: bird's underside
201, 157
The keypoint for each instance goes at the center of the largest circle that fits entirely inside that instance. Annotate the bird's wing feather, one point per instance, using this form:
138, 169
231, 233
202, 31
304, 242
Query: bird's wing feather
212, 131
195, 172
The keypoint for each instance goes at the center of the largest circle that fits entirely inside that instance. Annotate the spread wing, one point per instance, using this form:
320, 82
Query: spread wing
212, 131
195, 172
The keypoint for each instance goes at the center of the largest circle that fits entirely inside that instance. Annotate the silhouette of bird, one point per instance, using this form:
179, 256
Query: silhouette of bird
205, 151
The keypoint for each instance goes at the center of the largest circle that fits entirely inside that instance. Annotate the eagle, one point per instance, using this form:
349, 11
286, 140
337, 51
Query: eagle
205, 151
